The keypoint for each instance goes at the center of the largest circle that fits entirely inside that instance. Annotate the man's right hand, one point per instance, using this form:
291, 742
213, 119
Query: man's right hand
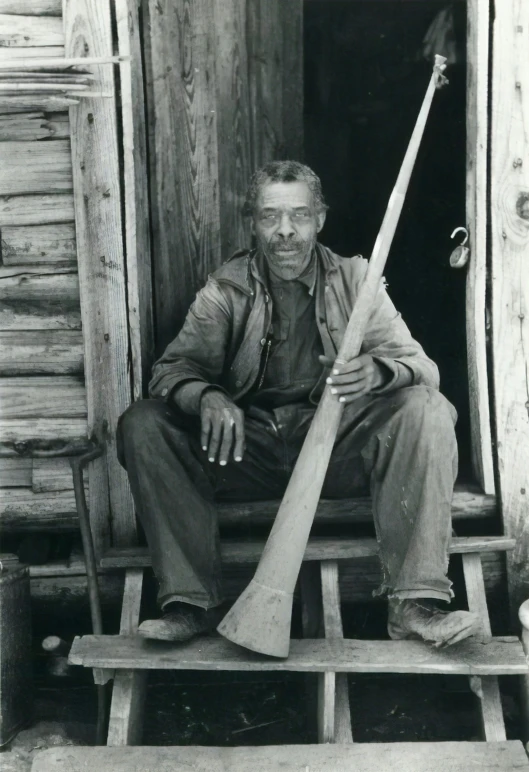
222, 427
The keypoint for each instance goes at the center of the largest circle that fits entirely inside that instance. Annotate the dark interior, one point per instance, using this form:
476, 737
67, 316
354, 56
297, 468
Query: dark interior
366, 73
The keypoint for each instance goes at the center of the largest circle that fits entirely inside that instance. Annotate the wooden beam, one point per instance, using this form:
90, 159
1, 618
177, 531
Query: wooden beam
136, 196
184, 158
478, 15
23, 510
233, 122
15, 472
41, 352
510, 277
32, 7
37, 302
28, 31
364, 757
11, 54
43, 397
500, 656
19, 434
24, 126
36, 210
95, 154
35, 167
19, 104
59, 124
51, 474
292, 85
34, 244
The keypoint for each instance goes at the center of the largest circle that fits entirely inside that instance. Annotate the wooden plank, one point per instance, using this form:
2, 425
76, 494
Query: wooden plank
10, 54
184, 168
500, 656
42, 397
19, 104
32, 7
23, 510
36, 210
59, 125
488, 690
318, 548
466, 503
88, 31
265, 57
29, 31
339, 729
292, 86
24, 126
365, 757
35, 167
478, 14
233, 122
40, 352
33, 302
128, 693
136, 195
510, 277
15, 472
35, 244
52, 474
18, 435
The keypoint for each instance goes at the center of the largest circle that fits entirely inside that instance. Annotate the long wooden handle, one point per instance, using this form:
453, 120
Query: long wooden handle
277, 572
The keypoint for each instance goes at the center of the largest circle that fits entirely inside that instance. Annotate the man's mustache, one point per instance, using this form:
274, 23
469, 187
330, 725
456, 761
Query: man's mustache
286, 246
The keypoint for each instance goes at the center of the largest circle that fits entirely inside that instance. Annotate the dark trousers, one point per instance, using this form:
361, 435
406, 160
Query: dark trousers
401, 445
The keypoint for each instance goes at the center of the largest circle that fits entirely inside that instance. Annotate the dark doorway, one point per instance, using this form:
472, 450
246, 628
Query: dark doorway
365, 77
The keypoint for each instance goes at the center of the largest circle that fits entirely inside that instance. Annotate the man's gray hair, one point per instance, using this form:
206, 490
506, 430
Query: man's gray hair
283, 171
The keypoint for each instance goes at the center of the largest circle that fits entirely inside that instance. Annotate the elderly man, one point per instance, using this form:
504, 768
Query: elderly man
233, 397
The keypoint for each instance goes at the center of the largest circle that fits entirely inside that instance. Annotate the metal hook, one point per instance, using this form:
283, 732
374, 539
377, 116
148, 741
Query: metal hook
457, 230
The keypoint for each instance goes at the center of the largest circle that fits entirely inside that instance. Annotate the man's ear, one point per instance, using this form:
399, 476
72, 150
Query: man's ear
321, 220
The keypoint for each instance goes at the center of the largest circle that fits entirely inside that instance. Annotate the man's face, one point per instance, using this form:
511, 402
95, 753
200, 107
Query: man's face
286, 225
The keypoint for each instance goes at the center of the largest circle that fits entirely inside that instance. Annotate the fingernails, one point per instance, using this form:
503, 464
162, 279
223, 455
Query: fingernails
238, 458
211, 459
222, 463
334, 391
335, 372
204, 447
342, 399
329, 380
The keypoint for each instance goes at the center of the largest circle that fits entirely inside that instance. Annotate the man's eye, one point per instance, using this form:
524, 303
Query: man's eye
301, 215
269, 217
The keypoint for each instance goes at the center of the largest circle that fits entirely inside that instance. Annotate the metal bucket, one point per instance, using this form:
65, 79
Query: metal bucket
16, 682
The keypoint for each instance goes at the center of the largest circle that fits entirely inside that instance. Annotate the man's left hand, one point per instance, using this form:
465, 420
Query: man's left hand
355, 378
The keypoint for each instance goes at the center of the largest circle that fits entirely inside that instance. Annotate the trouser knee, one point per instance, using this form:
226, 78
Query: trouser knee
139, 425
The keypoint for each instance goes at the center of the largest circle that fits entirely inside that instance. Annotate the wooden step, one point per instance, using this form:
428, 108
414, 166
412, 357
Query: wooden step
361, 757
499, 656
239, 551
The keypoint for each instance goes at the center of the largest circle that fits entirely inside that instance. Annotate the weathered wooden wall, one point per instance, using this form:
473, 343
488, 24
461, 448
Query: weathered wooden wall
509, 220
224, 94
42, 391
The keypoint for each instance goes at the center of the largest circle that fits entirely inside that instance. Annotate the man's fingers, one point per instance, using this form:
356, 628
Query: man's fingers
348, 367
228, 424
238, 450
214, 440
205, 426
345, 378
350, 388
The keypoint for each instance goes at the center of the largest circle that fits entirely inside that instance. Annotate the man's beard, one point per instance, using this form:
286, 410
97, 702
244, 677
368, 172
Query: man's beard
287, 255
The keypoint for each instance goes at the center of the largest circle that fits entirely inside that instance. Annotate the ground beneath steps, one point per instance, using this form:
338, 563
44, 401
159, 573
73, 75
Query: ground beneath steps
252, 709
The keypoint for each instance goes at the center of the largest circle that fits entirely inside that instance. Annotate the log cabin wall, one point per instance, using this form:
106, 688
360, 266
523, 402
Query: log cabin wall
42, 390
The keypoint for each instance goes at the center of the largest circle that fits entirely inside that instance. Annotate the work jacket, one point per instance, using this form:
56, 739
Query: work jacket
225, 332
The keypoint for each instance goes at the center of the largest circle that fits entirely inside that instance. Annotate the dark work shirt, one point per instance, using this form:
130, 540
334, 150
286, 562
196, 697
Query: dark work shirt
291, 352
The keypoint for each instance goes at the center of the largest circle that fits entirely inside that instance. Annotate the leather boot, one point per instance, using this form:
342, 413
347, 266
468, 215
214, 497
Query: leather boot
179, 625
421, 619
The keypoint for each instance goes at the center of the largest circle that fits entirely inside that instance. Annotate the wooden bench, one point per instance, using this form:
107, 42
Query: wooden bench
323, 650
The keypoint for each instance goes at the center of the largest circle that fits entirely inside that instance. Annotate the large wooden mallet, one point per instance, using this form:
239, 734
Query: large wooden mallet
260, 619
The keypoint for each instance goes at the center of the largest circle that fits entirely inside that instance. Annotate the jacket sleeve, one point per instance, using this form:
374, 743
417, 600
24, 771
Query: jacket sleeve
390, 342
196, 356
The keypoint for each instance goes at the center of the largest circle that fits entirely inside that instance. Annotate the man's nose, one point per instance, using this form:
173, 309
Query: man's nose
286, 229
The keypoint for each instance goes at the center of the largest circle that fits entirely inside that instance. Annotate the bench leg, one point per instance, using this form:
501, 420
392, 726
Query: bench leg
128, 693
524, 680
334, 714
486, 688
